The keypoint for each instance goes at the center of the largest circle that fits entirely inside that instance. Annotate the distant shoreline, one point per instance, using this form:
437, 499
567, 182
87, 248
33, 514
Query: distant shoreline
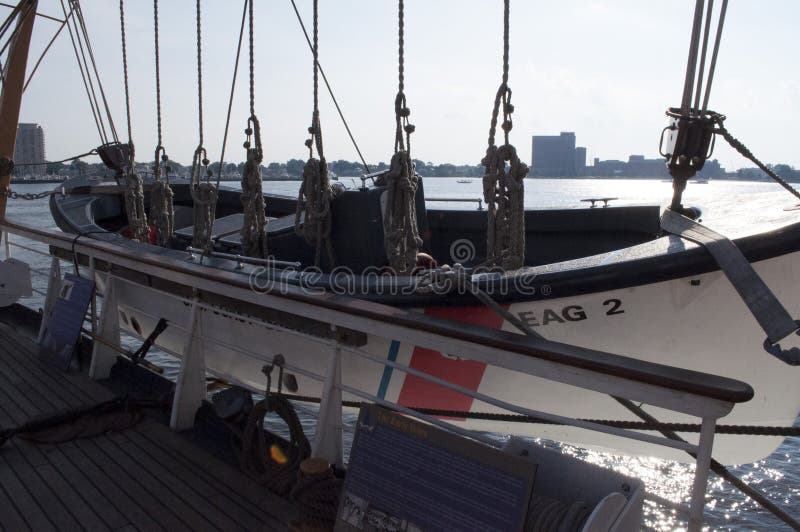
17, 181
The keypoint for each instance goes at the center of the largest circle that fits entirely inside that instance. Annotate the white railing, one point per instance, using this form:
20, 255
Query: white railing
514, 352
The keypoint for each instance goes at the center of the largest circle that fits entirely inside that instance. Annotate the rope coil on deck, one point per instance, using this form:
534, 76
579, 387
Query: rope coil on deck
316, 493
255, 456
269, 460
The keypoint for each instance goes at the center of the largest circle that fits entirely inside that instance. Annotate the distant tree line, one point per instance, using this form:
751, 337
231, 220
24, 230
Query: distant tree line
291, 169
756, 174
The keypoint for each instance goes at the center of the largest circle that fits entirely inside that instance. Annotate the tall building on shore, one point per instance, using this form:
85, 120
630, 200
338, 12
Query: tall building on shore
29, 149
580, 161
557, 156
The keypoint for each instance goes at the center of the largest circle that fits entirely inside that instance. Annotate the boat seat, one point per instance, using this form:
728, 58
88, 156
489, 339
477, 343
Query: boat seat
274, 225
225, 227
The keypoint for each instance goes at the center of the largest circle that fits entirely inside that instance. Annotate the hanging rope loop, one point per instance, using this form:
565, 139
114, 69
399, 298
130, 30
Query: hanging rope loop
204, 192
134, 191
400, 231
161, 196
312, 218
503, 186
161, 199
161, 164
254, 229
201, 173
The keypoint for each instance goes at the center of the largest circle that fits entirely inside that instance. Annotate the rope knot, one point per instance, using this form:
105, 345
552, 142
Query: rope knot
313, 215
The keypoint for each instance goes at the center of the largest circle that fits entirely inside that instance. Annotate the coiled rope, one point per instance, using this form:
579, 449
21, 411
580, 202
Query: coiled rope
316, 494
268, 459
312, 218
254, 228
161, 196
503, 188
255, 457
134, 192
400, 232
204, 193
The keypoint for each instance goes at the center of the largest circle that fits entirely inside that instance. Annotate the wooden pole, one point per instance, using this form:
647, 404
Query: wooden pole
11, 97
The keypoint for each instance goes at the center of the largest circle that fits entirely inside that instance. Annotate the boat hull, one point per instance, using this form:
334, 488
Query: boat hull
695, 322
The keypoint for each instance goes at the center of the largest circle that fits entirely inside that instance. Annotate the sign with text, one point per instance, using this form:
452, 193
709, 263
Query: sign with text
66, 319
405, 475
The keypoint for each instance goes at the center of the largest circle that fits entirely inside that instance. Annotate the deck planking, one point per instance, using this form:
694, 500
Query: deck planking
144, 478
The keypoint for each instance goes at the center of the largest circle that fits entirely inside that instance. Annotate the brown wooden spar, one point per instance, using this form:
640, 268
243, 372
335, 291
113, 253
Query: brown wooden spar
11, 97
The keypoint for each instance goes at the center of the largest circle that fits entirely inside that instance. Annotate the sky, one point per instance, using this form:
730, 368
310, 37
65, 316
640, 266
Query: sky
606, 70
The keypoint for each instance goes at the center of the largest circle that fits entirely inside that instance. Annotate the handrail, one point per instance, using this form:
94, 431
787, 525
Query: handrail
241, 260
649, 382
553, 418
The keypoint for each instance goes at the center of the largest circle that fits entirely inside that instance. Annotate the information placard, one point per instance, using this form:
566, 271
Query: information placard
66, 319
405, 475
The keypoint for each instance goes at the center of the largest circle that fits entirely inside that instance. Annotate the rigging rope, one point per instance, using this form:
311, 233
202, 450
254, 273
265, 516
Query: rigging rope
330, 91
161, 196
134, 192
29, 7
85, 33
312, 218
745, 152
85, 77
503, 188
35, 68
400, 231
204, 193
254, 228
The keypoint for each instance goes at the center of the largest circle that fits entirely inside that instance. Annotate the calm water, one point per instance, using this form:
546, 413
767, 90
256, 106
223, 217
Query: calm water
777, 476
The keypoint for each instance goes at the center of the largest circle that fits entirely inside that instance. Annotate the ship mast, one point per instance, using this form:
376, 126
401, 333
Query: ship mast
11, 95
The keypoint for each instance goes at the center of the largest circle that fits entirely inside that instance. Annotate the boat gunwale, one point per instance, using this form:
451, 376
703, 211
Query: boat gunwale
666, 258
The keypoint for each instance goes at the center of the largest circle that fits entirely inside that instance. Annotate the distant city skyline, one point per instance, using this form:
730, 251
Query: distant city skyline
559, 156
607, 69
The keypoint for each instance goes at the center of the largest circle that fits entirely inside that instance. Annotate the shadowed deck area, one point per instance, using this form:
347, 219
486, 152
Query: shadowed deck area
144, 478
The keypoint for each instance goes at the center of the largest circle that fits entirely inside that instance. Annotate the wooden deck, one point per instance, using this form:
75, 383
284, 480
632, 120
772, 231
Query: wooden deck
145, 478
